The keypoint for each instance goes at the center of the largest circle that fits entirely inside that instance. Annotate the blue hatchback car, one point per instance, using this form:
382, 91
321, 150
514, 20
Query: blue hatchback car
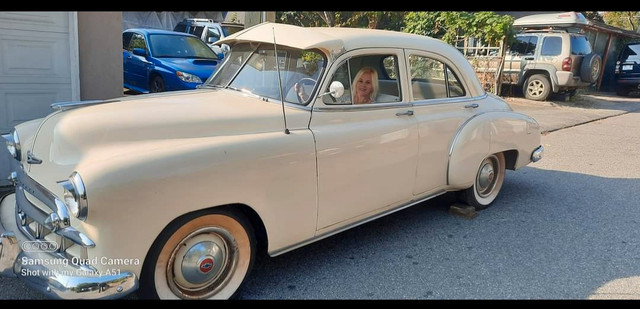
159, 60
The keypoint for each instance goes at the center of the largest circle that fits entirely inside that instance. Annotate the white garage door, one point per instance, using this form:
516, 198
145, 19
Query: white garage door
38, 66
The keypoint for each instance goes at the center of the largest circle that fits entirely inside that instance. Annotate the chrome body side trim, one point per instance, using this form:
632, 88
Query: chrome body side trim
63, 106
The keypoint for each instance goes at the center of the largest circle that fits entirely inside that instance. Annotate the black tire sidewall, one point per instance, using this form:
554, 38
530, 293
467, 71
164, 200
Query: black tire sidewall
590, 62
147, 288
160, 81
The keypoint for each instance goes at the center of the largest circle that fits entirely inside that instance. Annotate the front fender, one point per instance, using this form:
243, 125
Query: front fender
133, 197
489, 133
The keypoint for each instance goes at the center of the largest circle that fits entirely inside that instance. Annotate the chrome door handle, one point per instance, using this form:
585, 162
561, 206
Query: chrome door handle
474, 105
407, 113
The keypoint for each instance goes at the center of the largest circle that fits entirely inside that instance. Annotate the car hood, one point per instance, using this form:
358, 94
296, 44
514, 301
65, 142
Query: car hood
99, 132
203, 68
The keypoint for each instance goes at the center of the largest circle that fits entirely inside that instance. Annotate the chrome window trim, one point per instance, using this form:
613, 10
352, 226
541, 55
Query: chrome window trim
331, 68
439, 101
362, 107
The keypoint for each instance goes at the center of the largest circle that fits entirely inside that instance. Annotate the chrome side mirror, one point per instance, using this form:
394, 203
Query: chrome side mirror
336, 89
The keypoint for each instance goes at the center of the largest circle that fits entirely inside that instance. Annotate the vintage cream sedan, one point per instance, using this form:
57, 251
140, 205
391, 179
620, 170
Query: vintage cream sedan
173, 194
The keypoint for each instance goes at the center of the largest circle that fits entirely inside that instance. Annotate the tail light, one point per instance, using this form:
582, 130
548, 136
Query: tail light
617, 67
566, 64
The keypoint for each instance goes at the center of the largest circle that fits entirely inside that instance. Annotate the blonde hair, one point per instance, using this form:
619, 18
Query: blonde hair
374, 83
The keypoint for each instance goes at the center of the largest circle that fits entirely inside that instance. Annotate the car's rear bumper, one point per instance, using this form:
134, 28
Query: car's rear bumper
628, 82
567, 79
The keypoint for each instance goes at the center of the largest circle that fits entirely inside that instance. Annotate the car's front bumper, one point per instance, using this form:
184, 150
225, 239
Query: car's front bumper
29, 258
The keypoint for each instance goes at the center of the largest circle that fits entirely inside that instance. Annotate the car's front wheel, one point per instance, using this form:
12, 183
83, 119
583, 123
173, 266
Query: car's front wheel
203, 255
157, 84
488, 182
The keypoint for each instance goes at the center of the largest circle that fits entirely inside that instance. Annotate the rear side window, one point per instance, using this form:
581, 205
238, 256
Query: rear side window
126, 38
525, 45
137, 41
180, 27
551, 46
631, 52
580, 45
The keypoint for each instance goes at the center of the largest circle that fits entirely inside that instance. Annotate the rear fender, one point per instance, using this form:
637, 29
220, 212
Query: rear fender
485, 134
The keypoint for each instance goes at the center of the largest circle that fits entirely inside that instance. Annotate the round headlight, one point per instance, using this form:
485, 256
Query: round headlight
75, 196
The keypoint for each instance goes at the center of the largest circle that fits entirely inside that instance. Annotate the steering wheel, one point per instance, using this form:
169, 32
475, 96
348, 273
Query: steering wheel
300, 83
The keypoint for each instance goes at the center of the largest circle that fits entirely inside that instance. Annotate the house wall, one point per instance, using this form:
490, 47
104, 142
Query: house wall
100, 52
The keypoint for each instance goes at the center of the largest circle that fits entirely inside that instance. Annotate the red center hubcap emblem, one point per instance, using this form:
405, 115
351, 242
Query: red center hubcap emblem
206, 265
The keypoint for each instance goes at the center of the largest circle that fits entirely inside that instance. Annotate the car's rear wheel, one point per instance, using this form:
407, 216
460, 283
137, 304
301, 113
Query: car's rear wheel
488, 182
204, 255
157, 84
537, 88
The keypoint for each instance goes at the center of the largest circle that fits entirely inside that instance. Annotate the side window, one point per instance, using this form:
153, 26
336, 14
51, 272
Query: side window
137, 41
524, 45
427, 78
197, 31
126, 38
455, 87
390, 68
551, 46
367, 79
212, 33
341, 75
580, 45
180, 27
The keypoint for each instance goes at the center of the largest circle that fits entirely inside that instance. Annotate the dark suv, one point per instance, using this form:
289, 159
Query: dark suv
628, 69
550, 61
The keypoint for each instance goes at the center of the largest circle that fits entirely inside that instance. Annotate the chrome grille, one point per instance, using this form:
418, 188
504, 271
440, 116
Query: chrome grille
51, 224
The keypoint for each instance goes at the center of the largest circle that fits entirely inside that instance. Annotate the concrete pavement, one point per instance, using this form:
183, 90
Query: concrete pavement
558, 114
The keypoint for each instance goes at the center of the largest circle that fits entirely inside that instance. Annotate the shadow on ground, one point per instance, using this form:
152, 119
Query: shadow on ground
550, 235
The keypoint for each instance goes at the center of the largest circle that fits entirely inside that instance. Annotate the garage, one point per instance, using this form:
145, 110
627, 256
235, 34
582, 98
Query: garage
38, 66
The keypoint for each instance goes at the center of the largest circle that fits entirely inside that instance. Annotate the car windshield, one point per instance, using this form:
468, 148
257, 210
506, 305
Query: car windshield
179, 46
252, 68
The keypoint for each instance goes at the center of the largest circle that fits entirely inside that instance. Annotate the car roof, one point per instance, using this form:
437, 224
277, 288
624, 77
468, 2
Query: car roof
147, 31
332, 37
337, 40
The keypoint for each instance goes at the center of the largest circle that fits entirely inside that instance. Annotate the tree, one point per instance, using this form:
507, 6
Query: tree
487, 26
390, 20
593, 15
622, 19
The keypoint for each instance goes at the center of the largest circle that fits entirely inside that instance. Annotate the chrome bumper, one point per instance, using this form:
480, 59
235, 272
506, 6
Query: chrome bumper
536, 155
51, 273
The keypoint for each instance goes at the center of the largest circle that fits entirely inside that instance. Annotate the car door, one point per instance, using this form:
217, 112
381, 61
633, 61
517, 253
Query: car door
520, 57
441, 104
366, 153
126, 56
138, 65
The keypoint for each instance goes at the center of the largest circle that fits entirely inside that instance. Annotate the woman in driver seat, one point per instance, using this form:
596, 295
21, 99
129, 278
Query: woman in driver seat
365, 86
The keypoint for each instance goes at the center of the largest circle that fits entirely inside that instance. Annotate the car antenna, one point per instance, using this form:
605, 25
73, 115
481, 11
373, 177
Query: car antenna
275, 50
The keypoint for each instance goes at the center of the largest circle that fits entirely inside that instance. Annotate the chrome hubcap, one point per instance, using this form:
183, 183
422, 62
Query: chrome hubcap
202, 263
486, 179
